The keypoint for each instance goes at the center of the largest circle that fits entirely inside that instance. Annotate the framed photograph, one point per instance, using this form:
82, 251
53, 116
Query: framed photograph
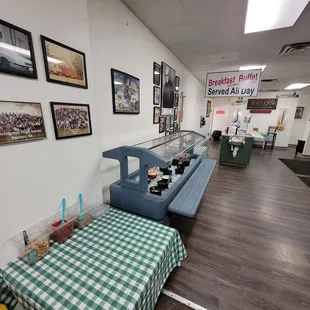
167, 123
156, 114
156, 73
299, 112
16, 51
176, 100
167, 88
63, 64
156, 95
177, 84
21, 122
162, 124
125, 92
208, 112
71, 120
175, 114
272, 129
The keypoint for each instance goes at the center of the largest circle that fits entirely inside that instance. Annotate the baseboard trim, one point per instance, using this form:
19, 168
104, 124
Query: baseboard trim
182, 300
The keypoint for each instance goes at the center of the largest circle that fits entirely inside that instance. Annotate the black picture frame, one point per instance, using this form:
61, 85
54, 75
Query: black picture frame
158, 95
23, 67
167, 89
156, 73
15, 113
176, 100
162, 124
175, 114
168, 123
61, 75
156, 115
177, 84
175, 127
208, 112
299, 112
114, 92
55, 120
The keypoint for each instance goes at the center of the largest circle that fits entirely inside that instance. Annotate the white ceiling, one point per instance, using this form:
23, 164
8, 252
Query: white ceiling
208, 35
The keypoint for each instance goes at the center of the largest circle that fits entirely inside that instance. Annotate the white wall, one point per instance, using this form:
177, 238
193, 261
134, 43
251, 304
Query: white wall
260, 121
221, 121
119, 40
35, 176
299, 126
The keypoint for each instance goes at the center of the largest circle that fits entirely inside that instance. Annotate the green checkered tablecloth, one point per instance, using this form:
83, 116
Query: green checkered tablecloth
119, 261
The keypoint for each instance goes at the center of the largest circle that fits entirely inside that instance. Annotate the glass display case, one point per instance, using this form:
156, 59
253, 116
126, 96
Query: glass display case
165, 164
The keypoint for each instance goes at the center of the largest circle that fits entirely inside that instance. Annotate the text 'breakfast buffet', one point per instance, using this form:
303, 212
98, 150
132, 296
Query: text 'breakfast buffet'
228, 81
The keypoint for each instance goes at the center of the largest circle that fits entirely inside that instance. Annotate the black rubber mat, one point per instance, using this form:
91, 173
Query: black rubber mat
305, 180
297, 166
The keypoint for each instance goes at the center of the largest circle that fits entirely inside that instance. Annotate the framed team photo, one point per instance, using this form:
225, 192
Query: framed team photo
21, 122
71, 120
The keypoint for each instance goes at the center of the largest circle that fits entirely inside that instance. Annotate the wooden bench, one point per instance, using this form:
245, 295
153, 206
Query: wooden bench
186, 202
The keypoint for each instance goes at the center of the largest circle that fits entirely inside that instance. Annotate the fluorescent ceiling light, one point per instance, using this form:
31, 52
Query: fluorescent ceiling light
54, 60
118, 83
253, 67
15, 49
155, 72
265, 15
297, 86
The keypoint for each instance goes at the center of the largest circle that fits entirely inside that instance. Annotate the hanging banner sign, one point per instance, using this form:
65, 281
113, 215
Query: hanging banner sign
269, 103
233, 83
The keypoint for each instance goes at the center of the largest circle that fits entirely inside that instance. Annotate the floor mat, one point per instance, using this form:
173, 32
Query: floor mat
297, 166
166, 303
305, 180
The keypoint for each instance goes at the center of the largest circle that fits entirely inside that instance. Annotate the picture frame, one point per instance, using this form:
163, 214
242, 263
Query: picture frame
21, 122
272, 129
125, 93
175, 114
167, 89
175, 127
299, 112
162, 124
156, 95
71, 120
16, 58
176, 100
156, 114
167, 123
177, 84
208, 111
156, 73
63, 64
171, 123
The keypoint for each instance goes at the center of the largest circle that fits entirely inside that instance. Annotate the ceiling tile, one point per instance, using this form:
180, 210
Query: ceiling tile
202, 32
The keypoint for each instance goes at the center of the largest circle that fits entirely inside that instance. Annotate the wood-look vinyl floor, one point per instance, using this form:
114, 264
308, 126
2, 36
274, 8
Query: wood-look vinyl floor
249, 245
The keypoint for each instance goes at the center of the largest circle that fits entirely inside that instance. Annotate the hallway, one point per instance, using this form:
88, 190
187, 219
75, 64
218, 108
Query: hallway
249, 245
